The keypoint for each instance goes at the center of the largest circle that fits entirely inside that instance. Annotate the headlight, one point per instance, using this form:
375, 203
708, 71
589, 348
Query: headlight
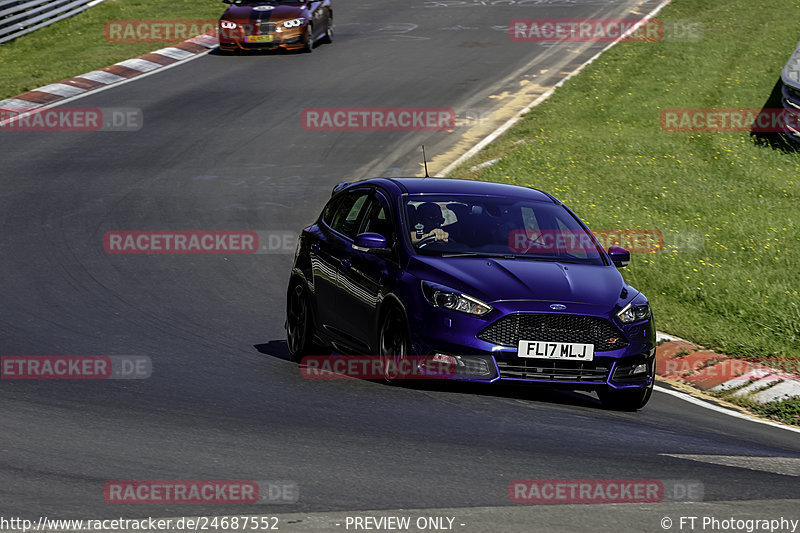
634, 313
294, 23
447, 298
227, 24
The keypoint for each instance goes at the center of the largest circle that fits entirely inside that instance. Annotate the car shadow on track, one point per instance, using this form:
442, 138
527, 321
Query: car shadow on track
510, 391
277, 349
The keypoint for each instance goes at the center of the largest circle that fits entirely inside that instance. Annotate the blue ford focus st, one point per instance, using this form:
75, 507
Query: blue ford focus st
504, 283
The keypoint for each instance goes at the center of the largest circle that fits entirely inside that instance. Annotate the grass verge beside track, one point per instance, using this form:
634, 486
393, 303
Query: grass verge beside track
78, 44
729, 204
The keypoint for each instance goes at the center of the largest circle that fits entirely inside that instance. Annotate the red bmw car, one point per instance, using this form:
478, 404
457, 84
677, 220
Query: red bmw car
272, 24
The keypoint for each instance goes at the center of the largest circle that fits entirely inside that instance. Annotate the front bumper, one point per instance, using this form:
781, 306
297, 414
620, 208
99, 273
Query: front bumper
617, 373
631, 366
232, 40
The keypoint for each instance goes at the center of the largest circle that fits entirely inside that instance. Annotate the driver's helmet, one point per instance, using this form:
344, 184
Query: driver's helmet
430, 216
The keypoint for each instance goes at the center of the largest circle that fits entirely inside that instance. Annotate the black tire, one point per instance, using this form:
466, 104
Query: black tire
299, 323
308, 45
393, 343
329, 31
625, 400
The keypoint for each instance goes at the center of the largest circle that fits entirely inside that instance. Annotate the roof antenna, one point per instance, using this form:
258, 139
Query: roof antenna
425, 161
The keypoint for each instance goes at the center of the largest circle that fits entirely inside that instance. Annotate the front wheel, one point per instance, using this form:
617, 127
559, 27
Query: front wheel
299, 323
329, 31
625, 400
393, 344
309, 40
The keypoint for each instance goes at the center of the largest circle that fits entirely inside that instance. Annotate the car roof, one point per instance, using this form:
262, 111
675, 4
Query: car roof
455, 186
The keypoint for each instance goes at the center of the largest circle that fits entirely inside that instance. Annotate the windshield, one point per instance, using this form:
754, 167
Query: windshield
497, 227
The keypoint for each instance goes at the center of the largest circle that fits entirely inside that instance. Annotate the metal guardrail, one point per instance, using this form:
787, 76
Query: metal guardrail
18, 17
790, 76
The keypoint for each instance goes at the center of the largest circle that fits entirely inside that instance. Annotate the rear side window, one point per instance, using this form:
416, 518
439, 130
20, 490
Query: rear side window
343, 216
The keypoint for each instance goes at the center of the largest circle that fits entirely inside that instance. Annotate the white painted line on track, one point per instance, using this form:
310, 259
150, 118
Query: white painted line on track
711, 406
785, 466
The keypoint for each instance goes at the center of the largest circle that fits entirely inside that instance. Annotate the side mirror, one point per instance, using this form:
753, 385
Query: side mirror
369, 242
619, 256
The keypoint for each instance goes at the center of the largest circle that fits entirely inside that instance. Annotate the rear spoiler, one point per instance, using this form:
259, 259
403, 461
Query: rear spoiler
339, 187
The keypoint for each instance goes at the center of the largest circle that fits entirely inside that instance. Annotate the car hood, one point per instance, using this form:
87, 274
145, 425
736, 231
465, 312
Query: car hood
493, 280
246, 13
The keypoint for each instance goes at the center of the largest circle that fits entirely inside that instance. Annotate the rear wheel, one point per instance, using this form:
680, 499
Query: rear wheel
393, 344
299, 324
625, 400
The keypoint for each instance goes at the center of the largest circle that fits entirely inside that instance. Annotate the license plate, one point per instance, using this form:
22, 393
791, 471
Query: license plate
258, 38
567, 351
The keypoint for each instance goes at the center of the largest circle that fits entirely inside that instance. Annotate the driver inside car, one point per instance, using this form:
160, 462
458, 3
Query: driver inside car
429, 224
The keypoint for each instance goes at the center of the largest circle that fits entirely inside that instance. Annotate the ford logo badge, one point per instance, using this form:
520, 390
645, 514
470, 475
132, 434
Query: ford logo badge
557, 307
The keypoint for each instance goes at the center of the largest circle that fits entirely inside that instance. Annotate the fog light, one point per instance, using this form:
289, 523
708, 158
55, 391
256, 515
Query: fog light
464, 364
639, 369
446, 359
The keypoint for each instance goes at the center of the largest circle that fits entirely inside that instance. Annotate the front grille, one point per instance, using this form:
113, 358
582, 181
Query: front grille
544, 370
511, 329
265, 28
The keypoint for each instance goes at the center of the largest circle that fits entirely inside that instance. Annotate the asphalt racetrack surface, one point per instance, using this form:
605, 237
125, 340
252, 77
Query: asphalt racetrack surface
223, 148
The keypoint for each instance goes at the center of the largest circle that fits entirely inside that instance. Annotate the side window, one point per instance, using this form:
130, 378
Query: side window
347, 212
330, 210
379, 220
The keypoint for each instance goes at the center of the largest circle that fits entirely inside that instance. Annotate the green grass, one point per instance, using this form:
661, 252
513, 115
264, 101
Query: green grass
78, 44
597, 145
